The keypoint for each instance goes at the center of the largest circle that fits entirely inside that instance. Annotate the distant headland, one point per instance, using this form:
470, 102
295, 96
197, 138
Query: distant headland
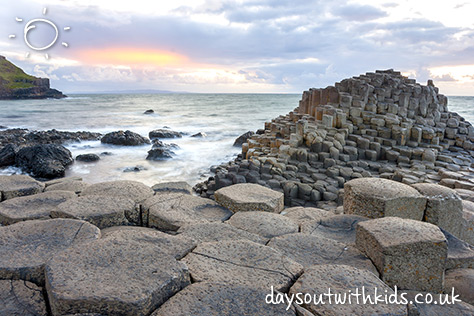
16, 84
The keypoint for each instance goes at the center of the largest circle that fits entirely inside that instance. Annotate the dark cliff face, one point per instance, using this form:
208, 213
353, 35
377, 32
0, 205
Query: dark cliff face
15, 84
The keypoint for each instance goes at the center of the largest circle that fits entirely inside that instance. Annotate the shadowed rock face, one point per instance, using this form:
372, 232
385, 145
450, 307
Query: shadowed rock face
47, 161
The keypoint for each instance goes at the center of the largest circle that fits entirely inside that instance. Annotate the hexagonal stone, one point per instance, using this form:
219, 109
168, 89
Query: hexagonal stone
317, 279
18, 185
20, 298
460, 253
30, 244
301, 214
467, 232
173, 187
209, 232
215, 299
101, 211
409, 254
242, 262
113, 277
377, 197
37, 206
250, 197
265, 224
176, 246
443, 207
68, 185
309, 250
341, 228
134, 190
170, 211
462, 280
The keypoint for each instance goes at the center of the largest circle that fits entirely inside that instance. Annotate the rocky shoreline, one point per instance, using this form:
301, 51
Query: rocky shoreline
368, 184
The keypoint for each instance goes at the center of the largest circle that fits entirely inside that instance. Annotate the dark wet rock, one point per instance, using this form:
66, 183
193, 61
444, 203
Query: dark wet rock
150, 111
47, 161
127, 138
199, 135
161, 151
164, 133
58, 137
8, 155
106, 153
88, 158
243, 138
137, 168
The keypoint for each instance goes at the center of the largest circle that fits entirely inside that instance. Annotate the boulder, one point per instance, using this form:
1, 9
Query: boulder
443, 207
462, 281
164, 133
8, 155
112, 277
101, 211
309, 250
242, 262
243, 138
170, 211
339, 280
18, 185
407, 253
199, 135
176, 246
134, 190
150, 111
20, 298
374, 198
301, 214
68, 185
341, 228
127, 138
87, 158
38, 206
31, 244
210, 232
47, 161
218, 299
265, 224
250, 197
161, 151
173, 187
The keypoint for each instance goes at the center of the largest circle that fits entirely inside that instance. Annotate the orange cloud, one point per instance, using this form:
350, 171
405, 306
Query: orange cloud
131, 56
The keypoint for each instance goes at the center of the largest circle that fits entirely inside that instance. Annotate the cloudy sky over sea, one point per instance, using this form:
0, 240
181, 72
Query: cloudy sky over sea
239, 45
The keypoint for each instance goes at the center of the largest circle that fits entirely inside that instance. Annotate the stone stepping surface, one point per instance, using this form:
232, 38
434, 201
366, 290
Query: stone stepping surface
113, 276
101, 211
134, 190
37, 206
170, 211
250, 197
265, 224
21, 298
18, 185
76, 186
309, 250
215, 299
31, 244
176, 246
209, 232
462, 280
242, 262
317, 279
301, 214
460, 253
341, 228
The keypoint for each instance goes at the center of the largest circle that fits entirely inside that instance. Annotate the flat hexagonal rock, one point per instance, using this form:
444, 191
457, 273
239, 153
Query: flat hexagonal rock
209, 232
340, 279
215, 299
301, 214
378, 197
242, 262
174, 245
37, 206
338, 227
173, 187
18, 185
170, 211
250, 197
68, 185
134, 190
101, 211
21, 298
265, 224
30, 244
113, 277
309, 250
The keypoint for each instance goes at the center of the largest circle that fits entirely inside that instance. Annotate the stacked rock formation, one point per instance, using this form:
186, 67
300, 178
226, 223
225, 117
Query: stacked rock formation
379, 124
123, 248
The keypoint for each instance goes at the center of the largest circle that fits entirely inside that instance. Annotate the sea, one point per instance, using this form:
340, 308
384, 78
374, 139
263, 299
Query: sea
221, 117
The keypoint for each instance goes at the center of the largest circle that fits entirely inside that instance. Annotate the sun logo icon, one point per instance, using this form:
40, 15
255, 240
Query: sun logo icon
31, 25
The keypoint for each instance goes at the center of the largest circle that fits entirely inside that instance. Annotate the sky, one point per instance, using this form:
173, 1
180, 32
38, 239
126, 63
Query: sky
238, 46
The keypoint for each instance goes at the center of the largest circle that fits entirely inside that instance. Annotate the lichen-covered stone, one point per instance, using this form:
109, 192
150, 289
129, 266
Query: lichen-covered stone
250, 197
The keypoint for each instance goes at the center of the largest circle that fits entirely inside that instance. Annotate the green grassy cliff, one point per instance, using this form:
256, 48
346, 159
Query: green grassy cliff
13, 77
